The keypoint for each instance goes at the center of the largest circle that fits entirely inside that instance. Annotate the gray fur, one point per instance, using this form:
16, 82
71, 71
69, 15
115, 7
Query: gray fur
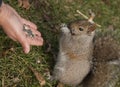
75, 54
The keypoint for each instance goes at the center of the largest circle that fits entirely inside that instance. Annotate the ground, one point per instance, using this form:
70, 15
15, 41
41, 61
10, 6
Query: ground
48, 15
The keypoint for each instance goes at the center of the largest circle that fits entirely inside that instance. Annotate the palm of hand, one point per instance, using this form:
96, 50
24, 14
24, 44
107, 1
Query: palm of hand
12, 24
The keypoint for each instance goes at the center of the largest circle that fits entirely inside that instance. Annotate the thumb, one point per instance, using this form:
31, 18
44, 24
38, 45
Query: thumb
26, 47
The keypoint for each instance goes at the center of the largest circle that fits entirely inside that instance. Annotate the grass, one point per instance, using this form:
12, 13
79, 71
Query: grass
47, 14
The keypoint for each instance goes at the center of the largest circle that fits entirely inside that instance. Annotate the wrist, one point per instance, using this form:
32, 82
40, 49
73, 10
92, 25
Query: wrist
2, 4
2, 12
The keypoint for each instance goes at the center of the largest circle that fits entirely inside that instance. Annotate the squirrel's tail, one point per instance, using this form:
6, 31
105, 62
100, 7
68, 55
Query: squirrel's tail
106, 61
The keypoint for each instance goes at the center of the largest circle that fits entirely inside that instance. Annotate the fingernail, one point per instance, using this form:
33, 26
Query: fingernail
26, 51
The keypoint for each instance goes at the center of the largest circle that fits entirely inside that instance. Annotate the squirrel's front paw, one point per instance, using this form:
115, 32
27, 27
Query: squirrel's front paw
63, 25
64, 28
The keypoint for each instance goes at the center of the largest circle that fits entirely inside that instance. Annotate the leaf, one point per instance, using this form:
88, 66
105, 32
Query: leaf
16, 80
38, 76
19, 3
60, 85
6, 51
107, 2
24, 3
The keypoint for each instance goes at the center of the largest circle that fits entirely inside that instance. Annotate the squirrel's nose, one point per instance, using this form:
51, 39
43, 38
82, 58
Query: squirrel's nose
73, 33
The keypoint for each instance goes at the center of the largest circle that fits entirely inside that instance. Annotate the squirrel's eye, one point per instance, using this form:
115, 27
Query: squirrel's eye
80, 29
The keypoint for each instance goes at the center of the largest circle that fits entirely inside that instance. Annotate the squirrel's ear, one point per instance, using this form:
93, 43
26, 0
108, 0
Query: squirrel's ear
92, 28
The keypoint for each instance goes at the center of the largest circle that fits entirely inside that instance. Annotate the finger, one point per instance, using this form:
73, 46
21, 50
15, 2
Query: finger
32, 25
26, 47
25, 44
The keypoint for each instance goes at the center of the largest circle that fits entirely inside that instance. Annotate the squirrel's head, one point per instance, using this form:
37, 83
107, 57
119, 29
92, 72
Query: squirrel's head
81, 27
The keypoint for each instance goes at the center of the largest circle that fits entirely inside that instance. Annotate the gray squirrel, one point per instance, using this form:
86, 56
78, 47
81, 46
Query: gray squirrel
86, 59
75, 52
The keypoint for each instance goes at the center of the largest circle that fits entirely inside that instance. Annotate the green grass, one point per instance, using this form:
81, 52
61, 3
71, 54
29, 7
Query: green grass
48, 15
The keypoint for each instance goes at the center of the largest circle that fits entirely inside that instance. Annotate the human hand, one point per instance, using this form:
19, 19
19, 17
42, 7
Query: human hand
13, 24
